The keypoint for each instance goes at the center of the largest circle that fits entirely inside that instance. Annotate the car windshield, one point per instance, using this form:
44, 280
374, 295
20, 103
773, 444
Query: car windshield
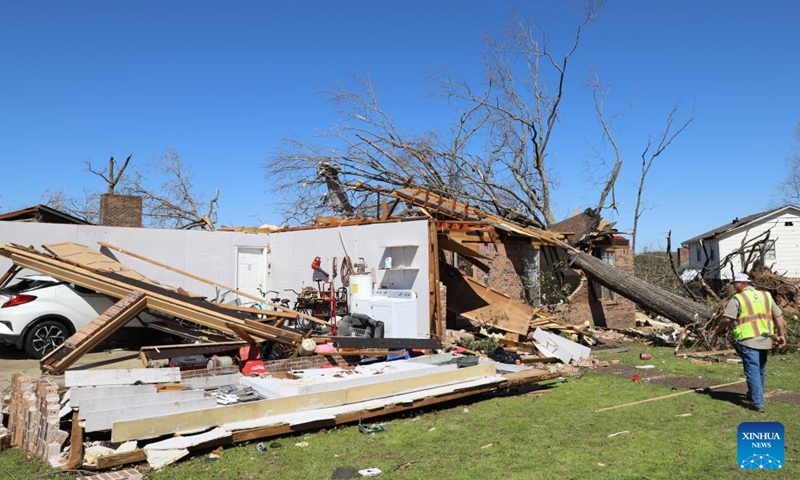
27, 284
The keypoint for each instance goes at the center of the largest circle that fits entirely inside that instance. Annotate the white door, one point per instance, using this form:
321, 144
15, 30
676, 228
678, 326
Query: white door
249, 273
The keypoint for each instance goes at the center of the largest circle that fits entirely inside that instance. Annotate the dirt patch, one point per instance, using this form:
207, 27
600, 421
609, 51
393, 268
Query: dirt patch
732, 393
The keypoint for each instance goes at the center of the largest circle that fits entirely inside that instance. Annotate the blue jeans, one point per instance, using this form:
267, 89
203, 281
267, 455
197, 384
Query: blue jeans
755, 369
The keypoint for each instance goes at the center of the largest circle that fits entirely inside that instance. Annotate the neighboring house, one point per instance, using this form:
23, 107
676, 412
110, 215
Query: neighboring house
775, 233
42, 214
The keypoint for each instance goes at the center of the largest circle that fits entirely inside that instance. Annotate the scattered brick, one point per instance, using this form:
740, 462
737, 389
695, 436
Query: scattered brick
129, 474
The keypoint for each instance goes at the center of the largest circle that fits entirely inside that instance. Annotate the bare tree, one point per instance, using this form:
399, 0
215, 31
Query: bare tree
526, 84
649, 154
516, 118
111, 177
790, 186
86, 206
599, 94
371, 151
495, 154
653, 148
173, 204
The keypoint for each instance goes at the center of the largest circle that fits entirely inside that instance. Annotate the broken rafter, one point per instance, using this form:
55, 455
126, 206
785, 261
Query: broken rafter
159, 299
278, 308
390, 211
88, 337
465, 212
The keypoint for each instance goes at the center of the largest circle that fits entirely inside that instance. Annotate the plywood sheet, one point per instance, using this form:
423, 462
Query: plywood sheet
480, 303
94, 260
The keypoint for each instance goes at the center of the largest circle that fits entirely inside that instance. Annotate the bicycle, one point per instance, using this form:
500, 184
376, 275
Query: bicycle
276, 300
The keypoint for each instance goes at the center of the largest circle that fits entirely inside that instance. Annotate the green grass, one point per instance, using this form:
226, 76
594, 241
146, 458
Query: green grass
552, 435
780, 367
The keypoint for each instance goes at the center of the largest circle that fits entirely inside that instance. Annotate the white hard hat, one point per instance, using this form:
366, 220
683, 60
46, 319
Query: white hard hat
741, 277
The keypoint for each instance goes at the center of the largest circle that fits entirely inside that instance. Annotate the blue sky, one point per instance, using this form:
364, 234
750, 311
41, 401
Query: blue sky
223, 82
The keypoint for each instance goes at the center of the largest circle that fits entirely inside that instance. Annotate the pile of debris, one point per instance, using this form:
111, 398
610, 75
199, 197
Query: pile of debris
100, 419
785, 292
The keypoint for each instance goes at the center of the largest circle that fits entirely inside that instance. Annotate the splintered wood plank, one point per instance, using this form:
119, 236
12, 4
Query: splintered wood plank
158, 299
128, 376
437, 321
193, 421
75, 444
447, 243
91, 335
105, 462
438, 203
500, 315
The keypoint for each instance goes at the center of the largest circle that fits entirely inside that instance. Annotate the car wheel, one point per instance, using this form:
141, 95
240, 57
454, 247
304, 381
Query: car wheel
44, 337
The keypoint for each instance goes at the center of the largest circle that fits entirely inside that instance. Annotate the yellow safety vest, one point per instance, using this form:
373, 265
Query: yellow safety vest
755, 315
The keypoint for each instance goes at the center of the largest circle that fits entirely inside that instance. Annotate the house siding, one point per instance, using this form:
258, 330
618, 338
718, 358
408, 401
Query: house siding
787, 242
784, 228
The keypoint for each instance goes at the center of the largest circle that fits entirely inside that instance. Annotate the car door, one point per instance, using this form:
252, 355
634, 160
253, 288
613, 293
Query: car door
80, 304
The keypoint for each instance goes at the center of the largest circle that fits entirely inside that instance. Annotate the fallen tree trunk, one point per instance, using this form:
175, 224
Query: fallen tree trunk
678, 309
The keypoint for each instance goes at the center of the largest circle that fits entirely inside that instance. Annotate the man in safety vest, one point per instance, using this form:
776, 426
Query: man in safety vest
755, 319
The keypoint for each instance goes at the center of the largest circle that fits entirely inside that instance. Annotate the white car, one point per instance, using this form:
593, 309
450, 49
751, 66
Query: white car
38, 312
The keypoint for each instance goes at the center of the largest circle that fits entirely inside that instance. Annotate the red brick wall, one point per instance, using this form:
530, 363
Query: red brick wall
507, 266
506, 260
584, 304
311, 361
121, 210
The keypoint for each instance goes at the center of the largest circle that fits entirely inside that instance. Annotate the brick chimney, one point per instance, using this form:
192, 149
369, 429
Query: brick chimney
683, 256
121, 210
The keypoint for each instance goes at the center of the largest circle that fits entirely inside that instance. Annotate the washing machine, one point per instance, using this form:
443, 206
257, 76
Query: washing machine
397, 309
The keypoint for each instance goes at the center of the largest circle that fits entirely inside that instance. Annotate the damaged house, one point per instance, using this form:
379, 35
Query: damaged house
771, 236
419, 275
386, 268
